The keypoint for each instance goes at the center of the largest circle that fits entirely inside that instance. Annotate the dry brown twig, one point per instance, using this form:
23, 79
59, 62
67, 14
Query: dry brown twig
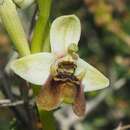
125, 127
9, 103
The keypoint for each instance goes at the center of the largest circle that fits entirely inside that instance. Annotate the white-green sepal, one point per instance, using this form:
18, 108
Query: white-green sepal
93, 79
34, 68
64, 31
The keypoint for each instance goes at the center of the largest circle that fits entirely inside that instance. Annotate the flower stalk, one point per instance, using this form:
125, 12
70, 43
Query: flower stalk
40, 42
48, 120
40, 28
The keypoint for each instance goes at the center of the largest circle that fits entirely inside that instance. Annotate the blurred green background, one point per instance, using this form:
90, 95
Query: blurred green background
105, 43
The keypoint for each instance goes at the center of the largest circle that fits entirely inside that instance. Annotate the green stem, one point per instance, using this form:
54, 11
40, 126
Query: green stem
46, 41
40, 28
48, 120
46, 117
39, 37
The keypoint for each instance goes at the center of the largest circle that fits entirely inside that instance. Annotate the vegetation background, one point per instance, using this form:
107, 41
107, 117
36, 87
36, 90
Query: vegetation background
105, 43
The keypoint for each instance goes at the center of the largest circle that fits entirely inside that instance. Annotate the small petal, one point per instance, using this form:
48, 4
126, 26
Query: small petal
79, 105
34, 68
65, 30
93, 79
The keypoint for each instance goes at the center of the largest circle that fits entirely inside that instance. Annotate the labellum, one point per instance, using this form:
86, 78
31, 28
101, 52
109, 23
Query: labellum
63, 85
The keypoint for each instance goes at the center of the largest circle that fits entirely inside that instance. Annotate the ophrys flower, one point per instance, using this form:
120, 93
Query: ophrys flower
64, 76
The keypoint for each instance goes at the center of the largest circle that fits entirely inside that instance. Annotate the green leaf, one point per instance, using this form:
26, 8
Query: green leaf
12, 23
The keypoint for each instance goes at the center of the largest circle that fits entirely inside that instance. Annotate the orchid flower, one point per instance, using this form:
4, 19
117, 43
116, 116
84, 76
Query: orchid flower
63, 75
